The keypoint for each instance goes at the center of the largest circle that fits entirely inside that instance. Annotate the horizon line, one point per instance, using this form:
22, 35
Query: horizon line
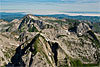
73, 13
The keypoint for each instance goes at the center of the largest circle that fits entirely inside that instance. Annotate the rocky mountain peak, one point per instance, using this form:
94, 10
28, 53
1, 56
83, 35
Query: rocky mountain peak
30, 16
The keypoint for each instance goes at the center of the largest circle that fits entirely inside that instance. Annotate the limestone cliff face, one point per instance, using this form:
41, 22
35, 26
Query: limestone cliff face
51, 42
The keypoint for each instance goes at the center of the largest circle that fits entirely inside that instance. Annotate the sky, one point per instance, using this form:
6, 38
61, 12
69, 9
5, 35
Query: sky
50, 6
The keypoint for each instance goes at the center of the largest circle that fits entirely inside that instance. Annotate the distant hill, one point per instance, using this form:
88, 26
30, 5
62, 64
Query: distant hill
11, 16
87, 18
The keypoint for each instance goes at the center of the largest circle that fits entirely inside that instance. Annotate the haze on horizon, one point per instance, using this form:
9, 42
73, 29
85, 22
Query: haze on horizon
50, 6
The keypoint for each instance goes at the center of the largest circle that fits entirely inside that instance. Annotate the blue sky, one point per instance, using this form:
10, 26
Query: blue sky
49, 6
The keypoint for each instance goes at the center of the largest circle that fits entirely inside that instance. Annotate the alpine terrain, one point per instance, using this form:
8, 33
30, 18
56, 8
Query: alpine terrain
41, 41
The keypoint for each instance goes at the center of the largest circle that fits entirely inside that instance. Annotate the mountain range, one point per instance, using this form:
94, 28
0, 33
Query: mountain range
45, 41
11, 16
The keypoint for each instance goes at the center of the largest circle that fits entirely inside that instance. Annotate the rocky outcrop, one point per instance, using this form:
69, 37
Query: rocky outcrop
82, 28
